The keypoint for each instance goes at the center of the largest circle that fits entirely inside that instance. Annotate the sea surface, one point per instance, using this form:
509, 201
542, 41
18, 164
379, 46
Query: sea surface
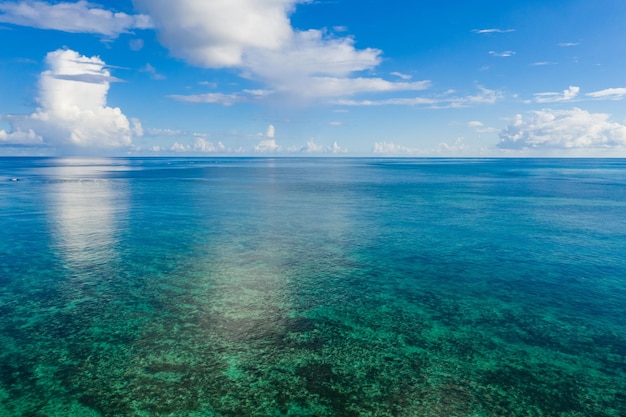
312, 287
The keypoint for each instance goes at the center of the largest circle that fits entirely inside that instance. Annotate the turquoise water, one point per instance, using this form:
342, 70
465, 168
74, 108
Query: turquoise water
312, 287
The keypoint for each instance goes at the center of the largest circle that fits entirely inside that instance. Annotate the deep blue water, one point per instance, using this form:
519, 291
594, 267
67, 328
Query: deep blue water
312, 287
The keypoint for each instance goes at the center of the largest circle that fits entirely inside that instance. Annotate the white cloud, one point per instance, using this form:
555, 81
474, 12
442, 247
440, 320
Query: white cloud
312, 147
136, 44
488, 31
72, 109
503, 54
567, 94
202, 145
415, 101
217, 33
154, 74
164, 132
178, 147
480, 127
78, 17
457, 146
267, 145
19, 137
563, 129
256, 37
485, 96
137, 128
390, 148
609, 94
199, 145
401, 75
216, 98
336, 86
568, 44
335, 148
270, 131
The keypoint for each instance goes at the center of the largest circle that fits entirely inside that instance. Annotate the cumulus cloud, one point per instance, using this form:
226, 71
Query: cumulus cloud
567, 94
443, 148
20, 137
390, 148
73, 112
313, 147
78, 17
267, 145
216, 34
563, 129
256, 37
199, 145
457, 146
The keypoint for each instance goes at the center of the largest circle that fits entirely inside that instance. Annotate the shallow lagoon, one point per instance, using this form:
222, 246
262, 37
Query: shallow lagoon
312, 287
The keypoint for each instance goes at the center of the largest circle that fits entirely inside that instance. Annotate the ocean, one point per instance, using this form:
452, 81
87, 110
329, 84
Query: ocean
312, 287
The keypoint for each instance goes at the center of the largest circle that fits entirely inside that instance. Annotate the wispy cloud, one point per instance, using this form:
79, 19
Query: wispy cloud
542, 63
551, 97
494, 30
212, 98
414, 101
78, 17
609, 94
164, 132
444, 101
154, 74
503, 54
479, 127
401, 75
568, 44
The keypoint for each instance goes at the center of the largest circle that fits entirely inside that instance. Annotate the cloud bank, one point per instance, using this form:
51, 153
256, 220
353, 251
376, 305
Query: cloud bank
72, 112
563, 129
78, 17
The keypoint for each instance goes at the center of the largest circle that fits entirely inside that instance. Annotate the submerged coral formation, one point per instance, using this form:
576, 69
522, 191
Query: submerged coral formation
324, 288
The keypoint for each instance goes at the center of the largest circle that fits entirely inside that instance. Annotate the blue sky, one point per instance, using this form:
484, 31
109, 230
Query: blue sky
286, 77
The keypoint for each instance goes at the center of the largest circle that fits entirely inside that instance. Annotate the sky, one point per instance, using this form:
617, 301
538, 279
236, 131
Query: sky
475, 78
